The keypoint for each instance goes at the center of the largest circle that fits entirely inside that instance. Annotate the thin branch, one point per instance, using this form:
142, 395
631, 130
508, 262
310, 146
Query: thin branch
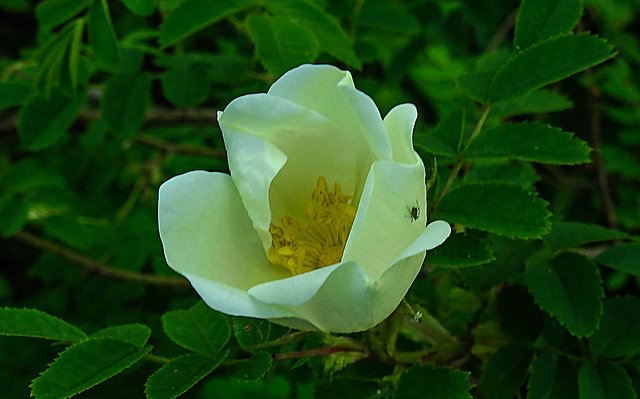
95, 267
183, 149
311, 352
602, 177
502, 31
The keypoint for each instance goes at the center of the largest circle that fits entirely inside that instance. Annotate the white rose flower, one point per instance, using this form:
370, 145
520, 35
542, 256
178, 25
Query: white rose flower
321, 224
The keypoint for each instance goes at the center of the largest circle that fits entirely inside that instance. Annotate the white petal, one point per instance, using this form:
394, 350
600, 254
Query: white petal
400, 122
278, 149
384, 226
207, 234
331, 92
294, 290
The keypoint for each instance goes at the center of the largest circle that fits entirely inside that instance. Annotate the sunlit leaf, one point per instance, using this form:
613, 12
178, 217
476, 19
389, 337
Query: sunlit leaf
36, 324
199, 329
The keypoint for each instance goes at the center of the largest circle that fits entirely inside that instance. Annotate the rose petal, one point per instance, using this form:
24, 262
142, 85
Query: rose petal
206, 232
400, 122
384, 226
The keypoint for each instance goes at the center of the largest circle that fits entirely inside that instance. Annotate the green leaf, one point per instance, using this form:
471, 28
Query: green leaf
125, 102
619, 331
251, 332
624, 258
439, 382
13, 215
281, 44
505, 371
84, 365
515, 173
528, 141
325, 27
545, 63
36, 324
142, 8
445, 138
186, 86
44, 120
181, 374
459, 250
604, 381
54, 12
539, 20
475, 85
537, 102
102, 37
199, 329
552, 377
14, 93
567, 235
251, 369
497, 208
568, 288
75, 47
194, 15
135, 334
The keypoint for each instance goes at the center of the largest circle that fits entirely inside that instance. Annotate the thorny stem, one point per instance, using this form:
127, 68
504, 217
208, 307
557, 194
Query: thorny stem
94, 267
284, 340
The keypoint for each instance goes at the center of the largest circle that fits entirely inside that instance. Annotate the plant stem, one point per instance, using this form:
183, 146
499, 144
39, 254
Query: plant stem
94, 267
311, 352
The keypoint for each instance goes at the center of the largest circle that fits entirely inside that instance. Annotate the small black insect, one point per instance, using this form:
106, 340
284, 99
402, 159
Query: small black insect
414, 212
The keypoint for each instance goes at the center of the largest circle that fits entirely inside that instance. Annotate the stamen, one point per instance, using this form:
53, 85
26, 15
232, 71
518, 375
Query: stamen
319, 239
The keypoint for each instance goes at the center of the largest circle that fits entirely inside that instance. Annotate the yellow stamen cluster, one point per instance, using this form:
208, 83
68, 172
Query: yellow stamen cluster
319, 239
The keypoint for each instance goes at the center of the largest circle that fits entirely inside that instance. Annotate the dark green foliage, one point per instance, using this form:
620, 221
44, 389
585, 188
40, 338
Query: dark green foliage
528, 129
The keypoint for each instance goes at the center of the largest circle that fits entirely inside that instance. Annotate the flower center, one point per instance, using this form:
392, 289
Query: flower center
318, 239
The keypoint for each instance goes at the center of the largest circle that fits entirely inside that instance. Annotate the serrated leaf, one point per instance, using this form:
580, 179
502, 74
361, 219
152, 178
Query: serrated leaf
102, 37
13, 215
552, 377
181, 374
36, 324
539, 20
281, 44
251, 369
186, 86
194, 15
461, 250
199, 329
497, 208
537, 102
567, 287
545, 63
505, 371
14, 93
604, 381
84, 365
135, 334
439, 382
625, 258
54, 12
44, 120
142, 8
325, 27
528, 141
125, 102
619, 331
475, 85
251, 332
445, 138
516, 173
567, 235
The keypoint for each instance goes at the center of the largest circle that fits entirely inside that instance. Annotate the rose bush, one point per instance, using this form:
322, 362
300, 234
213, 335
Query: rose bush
321, 224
